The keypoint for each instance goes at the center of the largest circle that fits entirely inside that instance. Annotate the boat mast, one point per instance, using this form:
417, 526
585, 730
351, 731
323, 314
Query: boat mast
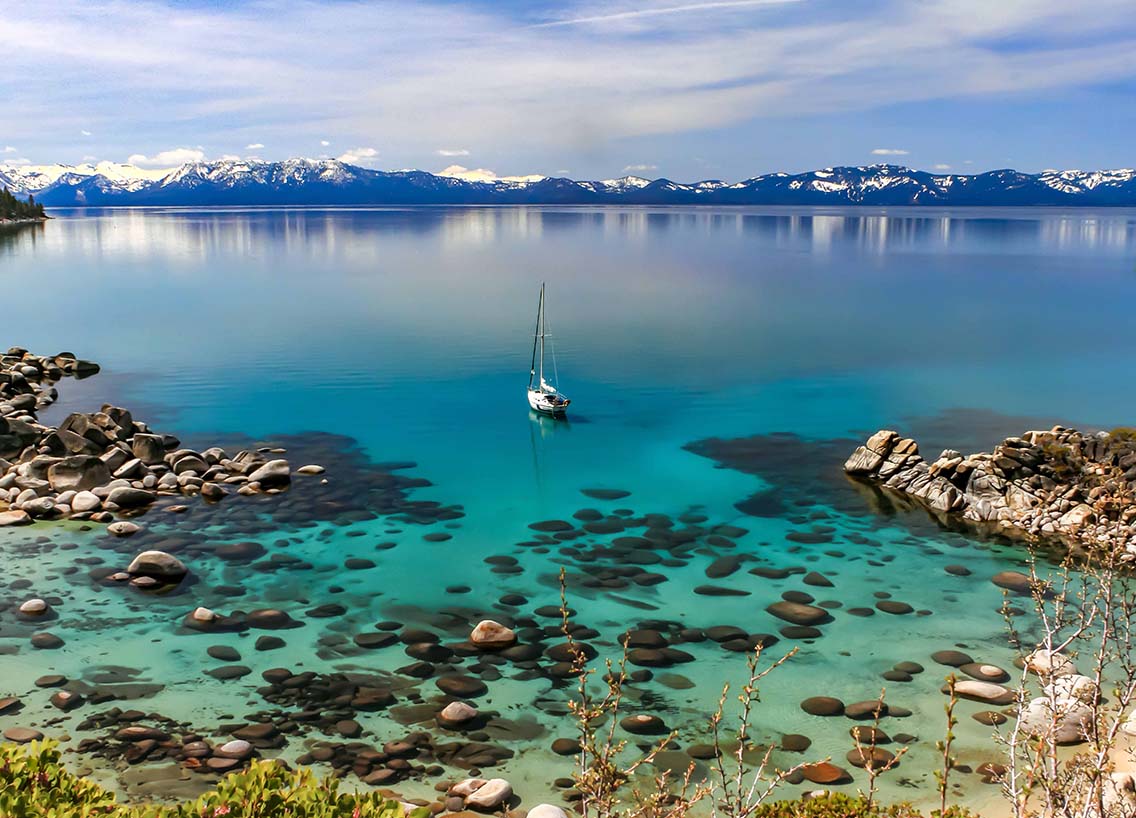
542, 337
536, 335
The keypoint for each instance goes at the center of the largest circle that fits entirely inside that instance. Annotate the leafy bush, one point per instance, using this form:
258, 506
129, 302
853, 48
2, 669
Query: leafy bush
837, 805
33, 784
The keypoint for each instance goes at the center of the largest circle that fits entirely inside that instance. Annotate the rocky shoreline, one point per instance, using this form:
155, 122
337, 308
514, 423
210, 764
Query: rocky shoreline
105, 466
1061, 483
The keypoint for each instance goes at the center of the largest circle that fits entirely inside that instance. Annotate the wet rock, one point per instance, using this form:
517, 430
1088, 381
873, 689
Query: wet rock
865, 734
491, 635
952, 658
870, 709
798, 613
238, 749
877, 757
349, 728
546, 811
986, 692
274, 473
226, 672
65, 700
718, 590
123, 528
462, 687
825, 773
269, 619
723, 566
892, 606
817, 580
605, 494
159, 565
14, 517
456, 714
823, 706
1014, 581
795, 743
78, 473
991, 718
374, 640
246, 551
22, 735
269, 643
490, 795
224, 653
33, 608
129, 497
566, 746
46, 641
985, 673
642, 724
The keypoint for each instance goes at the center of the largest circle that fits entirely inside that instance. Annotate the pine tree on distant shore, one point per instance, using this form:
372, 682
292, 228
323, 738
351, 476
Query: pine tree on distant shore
14, 209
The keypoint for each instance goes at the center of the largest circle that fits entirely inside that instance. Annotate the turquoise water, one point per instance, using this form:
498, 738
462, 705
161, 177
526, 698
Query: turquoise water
409, 331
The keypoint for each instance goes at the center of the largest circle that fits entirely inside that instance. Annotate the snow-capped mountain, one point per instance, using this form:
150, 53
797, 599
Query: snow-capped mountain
331, 182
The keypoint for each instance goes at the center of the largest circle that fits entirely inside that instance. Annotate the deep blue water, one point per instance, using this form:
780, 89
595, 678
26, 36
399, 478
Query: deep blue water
409, 330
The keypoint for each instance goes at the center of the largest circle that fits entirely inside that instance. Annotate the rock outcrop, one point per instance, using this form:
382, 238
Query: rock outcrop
92, 466
1057, 483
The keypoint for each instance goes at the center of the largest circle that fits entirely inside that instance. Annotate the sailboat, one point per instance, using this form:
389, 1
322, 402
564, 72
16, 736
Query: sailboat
544, 396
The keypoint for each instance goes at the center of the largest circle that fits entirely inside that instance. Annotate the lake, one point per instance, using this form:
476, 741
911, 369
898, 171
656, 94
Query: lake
721, 364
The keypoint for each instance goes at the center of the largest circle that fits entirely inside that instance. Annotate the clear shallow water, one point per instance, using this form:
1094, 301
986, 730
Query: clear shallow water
408, 330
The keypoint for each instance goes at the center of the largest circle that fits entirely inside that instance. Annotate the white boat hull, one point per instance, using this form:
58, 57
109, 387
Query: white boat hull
548, 404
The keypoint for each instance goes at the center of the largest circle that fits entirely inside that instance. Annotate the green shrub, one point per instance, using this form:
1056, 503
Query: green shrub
33, 784
838, 805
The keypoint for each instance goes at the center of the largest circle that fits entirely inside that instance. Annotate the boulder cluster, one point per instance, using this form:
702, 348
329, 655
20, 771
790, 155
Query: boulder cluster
1057, 483
105, 464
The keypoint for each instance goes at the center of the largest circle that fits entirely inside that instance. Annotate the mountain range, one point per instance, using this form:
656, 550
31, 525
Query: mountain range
331, 182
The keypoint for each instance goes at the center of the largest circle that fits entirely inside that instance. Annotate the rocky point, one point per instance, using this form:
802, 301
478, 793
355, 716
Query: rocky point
1080, 487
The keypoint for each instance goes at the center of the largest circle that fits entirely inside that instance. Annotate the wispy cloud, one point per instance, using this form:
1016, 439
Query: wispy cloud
890, 152
167, 159
255, 146
658, 12
639, 168
358, 156
942, 166
452, 152
9, 149
565, 91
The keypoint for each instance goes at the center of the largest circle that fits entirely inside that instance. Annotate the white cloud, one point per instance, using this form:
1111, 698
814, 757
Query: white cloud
942, 166
254, 146
167, 159
452, 152
624, 16
324, 142
639, 168
85, 133
889, 152
230, 157
19, 161
485, 175
9, 149
357, 156
637, 69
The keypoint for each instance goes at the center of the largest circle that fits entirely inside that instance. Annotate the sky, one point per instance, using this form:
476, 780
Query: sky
717, 89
